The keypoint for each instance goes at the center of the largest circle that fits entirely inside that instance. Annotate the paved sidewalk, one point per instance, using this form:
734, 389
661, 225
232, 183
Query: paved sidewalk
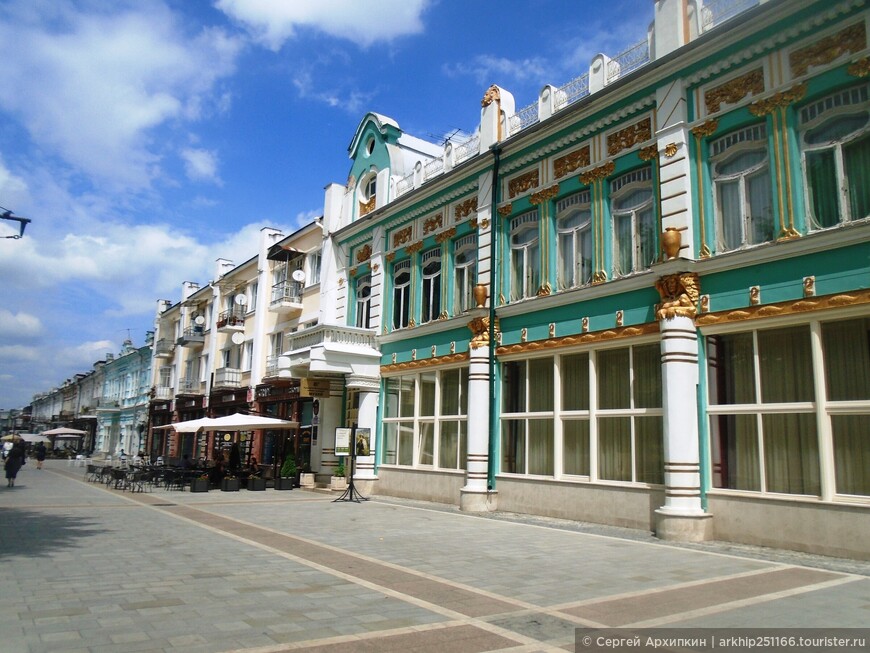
85, 568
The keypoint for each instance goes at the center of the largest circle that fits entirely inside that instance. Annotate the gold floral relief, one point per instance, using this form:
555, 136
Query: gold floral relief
464, 209
781, 99
453, 357
367, 207
544, 195
785, 308
571, 162
523, 183
445, 235
734, 90
601, 172
506, 210
629, 136
860, 68
648, 153
364, 253
705, 129
848, 40
579, 339
402, 236
390, 257
432, 223
414, 247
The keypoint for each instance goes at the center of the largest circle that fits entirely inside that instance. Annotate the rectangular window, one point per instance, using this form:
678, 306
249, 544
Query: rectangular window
313, 265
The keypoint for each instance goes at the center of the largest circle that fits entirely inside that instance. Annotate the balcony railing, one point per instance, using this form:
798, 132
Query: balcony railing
163, 348
231, 320
330, 334
272, 366
286, 297
163, 392
227, 377
189, 387
191, 336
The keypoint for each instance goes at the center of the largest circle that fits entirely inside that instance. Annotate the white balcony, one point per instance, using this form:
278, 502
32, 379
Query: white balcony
193, 336
227, 377
277, 368
286, 298
163, 392
163, 348
332, 349
230, 321
189, 387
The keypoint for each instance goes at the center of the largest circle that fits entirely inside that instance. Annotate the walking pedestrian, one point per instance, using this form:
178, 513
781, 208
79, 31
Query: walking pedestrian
14, 462
40, 455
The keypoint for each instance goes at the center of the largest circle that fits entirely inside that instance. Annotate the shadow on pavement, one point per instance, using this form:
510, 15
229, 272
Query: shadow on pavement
31, 533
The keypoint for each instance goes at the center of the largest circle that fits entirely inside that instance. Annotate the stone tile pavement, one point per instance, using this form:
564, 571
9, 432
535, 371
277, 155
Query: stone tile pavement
86, 568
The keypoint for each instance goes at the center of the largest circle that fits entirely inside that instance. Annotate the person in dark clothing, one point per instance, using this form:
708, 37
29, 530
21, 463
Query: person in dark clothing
40, 455
14, 461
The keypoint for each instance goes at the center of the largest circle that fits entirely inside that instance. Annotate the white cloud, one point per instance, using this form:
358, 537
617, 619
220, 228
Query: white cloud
353, 102
363, 23
90, 87
19, 324
488, 69
201, 165
19, 353
84, 355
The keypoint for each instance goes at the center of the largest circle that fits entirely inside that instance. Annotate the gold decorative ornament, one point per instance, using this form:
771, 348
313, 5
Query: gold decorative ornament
734, 90
620, 317
341, 281
860, 68
367, 207
629, 136
523, 183
464, 209
705, 129
375, 267
680, 293
849, 40
443, 315
544, 195
412, 323
414, 247
648, 153
601, 172
403, 236
445, 235
433, 223
545, 290
671, 150
524, 335
450, 359
484, 224
579, 339
705, 303
506, 209
584, 325
552, 329
671, 242
480, 293
480, 331
570, 162
352, 272
492, 95
754, 295
599, 277
809, 286
473, 223
501, 300
781, 99
390, 257
364, 254
786, 308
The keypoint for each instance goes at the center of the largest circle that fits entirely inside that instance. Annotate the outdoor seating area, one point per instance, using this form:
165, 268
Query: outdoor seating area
199, 478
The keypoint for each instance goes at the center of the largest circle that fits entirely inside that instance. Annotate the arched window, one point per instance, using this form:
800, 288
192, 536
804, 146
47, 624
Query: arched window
525, 256
431, 284
574, 232
364, 301
401, 294
464, 273
634, 227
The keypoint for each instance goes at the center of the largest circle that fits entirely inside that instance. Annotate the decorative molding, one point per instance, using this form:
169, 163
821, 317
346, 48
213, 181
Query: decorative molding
781, 99
809, 286
860, 68
364, 254
479, 327
785, 308
584, 324
402, 236
648, 153
849, 40
433, 223
620, 318
492, 95
552, 330
352, 272
524, 335
390, 257
629, 136
425, 362
754, 295
506, 209
579, 339
570, 162
445, 235
484, 224
523, 183
464, 209
545, 291
600, 172
367, 207
705, 129
414, 247
671, 150
705, 303
679, 293
543, 195
734, 90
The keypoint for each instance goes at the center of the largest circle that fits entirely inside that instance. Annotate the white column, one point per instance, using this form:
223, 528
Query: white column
476, 496
681, 517
367, 416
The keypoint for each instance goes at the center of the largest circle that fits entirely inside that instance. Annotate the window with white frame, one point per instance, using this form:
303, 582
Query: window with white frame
401, 294
314, 261
835, 147
740, 169
558, 411
425, 418
247, 355
364, 301
464, 273
775, 394
574, 233
632, 208
525, 256
431, 306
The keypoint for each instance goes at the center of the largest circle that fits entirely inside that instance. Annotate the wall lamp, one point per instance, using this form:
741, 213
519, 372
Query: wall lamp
22, 222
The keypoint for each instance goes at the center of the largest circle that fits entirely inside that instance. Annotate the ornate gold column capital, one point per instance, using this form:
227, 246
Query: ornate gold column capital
680, 293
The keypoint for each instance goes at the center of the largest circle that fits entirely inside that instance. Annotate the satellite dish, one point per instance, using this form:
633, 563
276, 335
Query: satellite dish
238, 338
199, 319
298, 275
241, 300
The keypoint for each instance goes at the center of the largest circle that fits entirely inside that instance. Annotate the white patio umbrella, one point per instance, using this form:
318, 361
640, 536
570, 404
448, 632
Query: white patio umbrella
242, 422
34, 437
190, 426
63, 430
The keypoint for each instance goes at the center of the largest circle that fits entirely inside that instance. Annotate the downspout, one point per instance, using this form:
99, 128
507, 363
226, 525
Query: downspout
494, 286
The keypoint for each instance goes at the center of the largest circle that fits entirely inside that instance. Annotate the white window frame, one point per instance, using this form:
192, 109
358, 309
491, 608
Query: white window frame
464, 273
363, 313
574, 205
525, 255
401, 293
621, 187
431, 304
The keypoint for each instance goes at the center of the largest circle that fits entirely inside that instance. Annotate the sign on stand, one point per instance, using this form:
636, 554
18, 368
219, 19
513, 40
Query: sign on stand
342, 442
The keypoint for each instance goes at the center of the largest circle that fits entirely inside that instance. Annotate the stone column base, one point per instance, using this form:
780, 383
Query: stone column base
364, 486
683, 528
470, 501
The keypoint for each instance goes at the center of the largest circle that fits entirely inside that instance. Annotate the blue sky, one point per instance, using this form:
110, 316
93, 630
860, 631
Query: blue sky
147, 138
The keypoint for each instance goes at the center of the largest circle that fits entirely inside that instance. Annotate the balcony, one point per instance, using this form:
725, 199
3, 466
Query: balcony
231, 321
189, 387
163, 348
286, 298
331, 349
163, 392
193, 336
227, 377
276, 368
